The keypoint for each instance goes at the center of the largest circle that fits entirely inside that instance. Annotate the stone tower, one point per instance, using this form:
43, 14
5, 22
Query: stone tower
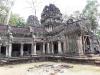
33, 21
51, 17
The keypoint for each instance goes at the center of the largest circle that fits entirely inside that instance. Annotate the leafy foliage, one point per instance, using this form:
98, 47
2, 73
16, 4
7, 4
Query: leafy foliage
16, 20
91, 11
5, 6
3, 11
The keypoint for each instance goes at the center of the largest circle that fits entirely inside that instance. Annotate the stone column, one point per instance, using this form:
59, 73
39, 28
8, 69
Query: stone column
48, 48
21, 50
34, 48
52, 45
59, 47
79, 44
43, 48
9, 50
64, 45
91, 46
67, 44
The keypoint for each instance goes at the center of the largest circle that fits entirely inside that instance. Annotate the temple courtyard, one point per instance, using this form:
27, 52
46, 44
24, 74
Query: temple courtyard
50, 68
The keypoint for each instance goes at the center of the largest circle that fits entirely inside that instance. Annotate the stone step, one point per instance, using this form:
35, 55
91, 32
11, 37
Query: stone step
97, 61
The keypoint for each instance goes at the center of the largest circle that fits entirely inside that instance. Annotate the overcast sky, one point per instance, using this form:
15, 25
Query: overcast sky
21, 7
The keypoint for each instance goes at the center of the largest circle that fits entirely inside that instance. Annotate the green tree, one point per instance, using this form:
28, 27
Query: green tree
16, 20
5, 10
91, 11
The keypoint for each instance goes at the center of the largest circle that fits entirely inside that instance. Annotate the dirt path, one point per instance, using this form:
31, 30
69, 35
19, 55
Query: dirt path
49, 68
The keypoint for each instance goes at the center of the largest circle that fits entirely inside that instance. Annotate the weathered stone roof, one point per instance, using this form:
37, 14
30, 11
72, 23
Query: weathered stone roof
77, 27
20, 30
3, 28
69, 28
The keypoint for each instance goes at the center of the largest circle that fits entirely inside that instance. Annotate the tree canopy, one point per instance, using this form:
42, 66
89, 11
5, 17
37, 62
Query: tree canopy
16, 20
5, 7
91, 11
6, 17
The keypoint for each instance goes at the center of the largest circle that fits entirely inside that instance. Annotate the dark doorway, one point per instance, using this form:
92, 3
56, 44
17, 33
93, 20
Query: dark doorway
3, 51
87, 41
87, 45
55, 48
16, 50
38, 48
46, 49
62, 47
27, 49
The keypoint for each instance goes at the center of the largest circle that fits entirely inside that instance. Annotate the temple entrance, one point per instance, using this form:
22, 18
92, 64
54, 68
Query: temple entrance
87, 45
46, 49
39, 48
3, 51
55, 48
16, 50
27, 49
62, 47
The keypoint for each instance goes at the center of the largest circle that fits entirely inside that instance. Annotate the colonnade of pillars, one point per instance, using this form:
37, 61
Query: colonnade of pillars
48, 48
63, 47
7, 51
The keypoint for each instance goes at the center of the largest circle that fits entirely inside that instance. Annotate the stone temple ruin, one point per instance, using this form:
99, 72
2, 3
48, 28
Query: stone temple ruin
51, 37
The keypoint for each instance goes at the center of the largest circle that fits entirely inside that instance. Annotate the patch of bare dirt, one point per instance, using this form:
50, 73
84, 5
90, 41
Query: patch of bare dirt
52, 69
